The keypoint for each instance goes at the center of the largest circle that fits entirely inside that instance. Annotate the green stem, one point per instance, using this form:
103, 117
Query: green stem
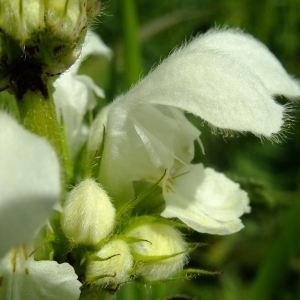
38, 115
133, 58
275, 266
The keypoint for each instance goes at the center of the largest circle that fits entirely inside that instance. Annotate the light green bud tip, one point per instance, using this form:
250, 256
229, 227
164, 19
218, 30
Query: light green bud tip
40, 39
88, 214
159, 240
110, 266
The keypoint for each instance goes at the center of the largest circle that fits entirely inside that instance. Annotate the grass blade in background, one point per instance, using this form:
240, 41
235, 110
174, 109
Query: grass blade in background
133, 58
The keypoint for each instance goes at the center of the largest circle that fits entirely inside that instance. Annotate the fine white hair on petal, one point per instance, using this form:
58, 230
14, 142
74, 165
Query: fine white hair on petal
29, 183
205, 200
253, 54
212, 85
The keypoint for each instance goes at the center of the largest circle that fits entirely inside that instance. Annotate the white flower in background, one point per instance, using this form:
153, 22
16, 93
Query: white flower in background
29, 183
225, 77
22, 277
74, 94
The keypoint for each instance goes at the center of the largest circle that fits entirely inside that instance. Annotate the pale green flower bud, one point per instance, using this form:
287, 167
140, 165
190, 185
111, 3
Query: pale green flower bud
88, 214
110, 266
159, 240
41, 39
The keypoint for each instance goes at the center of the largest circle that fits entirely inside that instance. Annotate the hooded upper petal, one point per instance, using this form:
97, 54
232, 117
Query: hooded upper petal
254, 55
211, 85
205, 200
23, 278
29, 183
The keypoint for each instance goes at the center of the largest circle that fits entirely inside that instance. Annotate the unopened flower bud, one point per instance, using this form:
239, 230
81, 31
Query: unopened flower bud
88, 214
110, 266
41, 39
21, 20
159, 240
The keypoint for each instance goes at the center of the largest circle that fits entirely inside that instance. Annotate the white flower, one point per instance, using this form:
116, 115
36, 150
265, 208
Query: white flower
74, 94
29, 183
225, 77
22, 277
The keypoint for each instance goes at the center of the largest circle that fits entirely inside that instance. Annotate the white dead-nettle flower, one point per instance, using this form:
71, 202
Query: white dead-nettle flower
111, 265
158, 241
74, 94
225, 77
29, 183
24, 278
88, 214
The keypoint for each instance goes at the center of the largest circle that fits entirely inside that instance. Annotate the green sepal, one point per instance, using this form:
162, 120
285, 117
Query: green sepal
9, 105
43, 248
153, 190
144, 220
68, 165
94, 163
150, 259
185, 274
193, 273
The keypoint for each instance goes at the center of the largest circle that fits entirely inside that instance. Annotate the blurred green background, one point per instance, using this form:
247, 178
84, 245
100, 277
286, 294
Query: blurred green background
261, 261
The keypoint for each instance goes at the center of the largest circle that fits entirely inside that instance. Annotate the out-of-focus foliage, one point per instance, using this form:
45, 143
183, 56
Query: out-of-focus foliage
262, 259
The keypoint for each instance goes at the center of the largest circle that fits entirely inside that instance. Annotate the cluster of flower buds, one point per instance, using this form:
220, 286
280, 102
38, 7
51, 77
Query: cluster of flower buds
146, 248
41, 39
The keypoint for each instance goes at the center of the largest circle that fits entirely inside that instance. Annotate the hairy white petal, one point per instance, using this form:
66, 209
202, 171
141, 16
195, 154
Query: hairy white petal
29, 183
205, 200
253, 54
23, 278
212, 85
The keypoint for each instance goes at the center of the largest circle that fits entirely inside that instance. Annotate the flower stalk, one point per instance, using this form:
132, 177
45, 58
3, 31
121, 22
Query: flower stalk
38, 116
